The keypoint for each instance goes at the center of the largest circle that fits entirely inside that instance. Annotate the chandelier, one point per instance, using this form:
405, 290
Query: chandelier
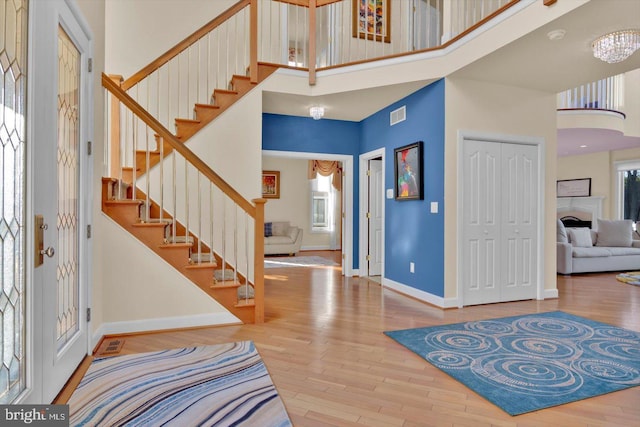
316, 112
617, 46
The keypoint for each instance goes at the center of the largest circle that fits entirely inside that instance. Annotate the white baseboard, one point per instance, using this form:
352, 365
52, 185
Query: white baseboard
420, 295
158, 324
550, 294
316, 248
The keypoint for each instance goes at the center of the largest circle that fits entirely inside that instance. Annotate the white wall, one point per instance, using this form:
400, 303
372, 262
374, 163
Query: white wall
491, 108
294, 204
138, 31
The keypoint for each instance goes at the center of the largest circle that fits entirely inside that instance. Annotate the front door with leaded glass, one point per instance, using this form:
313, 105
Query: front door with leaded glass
60, 92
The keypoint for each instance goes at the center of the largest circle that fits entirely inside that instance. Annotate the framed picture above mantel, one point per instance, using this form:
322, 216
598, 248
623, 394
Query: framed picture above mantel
573, 187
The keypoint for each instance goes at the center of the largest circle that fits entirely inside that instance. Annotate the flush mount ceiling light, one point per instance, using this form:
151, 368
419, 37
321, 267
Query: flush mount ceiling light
316, 112
617, 46
556, 34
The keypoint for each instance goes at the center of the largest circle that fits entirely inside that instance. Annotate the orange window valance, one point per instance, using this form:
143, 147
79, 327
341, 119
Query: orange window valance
327, 168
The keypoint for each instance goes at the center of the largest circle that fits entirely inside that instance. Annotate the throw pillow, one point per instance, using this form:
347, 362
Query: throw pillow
280, 228
268, 229
580, 237
561, 232
615, 233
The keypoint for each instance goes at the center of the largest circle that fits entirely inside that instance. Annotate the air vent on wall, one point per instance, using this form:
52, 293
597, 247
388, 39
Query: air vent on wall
397, 116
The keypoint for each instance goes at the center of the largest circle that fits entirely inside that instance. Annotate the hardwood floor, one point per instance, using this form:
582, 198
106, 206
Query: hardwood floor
323, 345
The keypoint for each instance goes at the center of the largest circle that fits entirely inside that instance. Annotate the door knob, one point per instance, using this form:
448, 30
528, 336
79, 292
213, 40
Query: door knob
48, 252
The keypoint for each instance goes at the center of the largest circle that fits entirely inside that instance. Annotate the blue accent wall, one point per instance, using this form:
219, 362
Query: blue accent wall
412, 233
305, 135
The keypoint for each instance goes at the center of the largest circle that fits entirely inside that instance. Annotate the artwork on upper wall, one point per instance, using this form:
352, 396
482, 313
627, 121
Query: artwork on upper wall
408, 172
271, 184
574, 187
372, 20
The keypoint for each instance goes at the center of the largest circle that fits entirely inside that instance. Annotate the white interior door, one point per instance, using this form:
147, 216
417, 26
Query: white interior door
519, 226
61, 114
376, 200
500, 227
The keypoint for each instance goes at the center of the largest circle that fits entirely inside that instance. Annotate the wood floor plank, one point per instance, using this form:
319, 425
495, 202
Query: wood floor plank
323, 344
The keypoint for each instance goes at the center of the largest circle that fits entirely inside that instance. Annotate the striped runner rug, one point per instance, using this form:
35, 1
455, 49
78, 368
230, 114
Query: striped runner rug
218, 385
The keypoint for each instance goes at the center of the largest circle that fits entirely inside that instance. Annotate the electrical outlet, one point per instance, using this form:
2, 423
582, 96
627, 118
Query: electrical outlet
412, 267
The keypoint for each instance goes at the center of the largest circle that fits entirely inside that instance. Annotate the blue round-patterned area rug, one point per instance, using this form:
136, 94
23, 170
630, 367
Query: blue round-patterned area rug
631, 278
527, 363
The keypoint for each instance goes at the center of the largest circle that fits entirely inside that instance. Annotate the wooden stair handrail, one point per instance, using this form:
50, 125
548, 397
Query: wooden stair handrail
184, 44
189, 155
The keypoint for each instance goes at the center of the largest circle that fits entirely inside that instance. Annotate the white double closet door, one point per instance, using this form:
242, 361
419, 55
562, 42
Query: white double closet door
500, 222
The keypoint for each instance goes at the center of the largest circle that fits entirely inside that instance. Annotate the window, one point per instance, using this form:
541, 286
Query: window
322, 204
628, 194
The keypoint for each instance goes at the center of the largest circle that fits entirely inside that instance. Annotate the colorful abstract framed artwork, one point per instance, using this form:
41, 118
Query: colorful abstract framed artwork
271, 184
372, 20
408, 172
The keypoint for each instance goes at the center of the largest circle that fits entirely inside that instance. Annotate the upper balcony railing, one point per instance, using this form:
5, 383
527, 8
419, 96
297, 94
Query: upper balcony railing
605, 94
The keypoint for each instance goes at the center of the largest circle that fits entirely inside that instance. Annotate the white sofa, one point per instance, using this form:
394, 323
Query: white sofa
611, 248
281, 238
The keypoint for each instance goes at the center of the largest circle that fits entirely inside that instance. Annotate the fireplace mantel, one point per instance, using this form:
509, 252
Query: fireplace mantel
591, 205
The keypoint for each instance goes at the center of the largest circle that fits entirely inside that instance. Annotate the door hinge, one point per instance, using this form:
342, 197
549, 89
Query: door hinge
368, 214
88, 315
368, 172
88, 148
90, 64
89, 231
368, 257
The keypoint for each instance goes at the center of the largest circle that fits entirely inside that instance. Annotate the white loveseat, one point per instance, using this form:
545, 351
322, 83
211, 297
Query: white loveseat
281, 238
611, 248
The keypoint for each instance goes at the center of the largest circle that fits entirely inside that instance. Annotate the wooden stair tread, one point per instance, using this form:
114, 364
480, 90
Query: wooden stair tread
225, 91
246, 303
202, 265
175, 245
226, 284
123, 202
211, 106
188, 121
150, 224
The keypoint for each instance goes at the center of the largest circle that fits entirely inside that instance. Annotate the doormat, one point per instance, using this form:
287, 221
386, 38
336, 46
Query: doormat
226, 384
527, 363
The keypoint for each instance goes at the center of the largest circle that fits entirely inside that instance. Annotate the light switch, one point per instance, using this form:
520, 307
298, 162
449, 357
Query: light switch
434, 207
389, 193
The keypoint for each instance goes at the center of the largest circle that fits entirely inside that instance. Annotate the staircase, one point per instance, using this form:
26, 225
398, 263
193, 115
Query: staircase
158, 190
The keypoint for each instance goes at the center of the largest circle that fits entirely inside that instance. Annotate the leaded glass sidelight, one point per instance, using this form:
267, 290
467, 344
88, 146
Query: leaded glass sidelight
13, 84
68, 183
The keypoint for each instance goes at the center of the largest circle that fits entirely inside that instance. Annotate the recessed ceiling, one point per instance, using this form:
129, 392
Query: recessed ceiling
571, 141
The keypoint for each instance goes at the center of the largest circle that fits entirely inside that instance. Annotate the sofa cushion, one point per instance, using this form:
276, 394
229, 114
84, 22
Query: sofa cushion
580, 237
280, 228
268, 229
623, 251
614, 233
561, 232
278, 240
593, 252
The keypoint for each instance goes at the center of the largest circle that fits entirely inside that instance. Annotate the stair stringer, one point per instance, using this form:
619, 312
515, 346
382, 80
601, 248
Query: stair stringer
135, 273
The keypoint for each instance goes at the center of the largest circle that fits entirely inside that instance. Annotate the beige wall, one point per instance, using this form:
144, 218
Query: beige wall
141, 30
491, 108
632, 103
294, 203
600, 167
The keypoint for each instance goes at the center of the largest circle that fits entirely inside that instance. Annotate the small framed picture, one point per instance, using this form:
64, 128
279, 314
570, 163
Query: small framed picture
271, 184
408, 172
574, 187
372, 20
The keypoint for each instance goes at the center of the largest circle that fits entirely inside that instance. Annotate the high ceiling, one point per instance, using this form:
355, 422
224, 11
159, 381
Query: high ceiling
532, 61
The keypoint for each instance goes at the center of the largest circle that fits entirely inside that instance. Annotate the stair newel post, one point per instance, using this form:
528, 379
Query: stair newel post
258, 260
115, 169
199, 218
186, 200
211, 217
312, 42
246, 256
253, 41
160, 140
235, 243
